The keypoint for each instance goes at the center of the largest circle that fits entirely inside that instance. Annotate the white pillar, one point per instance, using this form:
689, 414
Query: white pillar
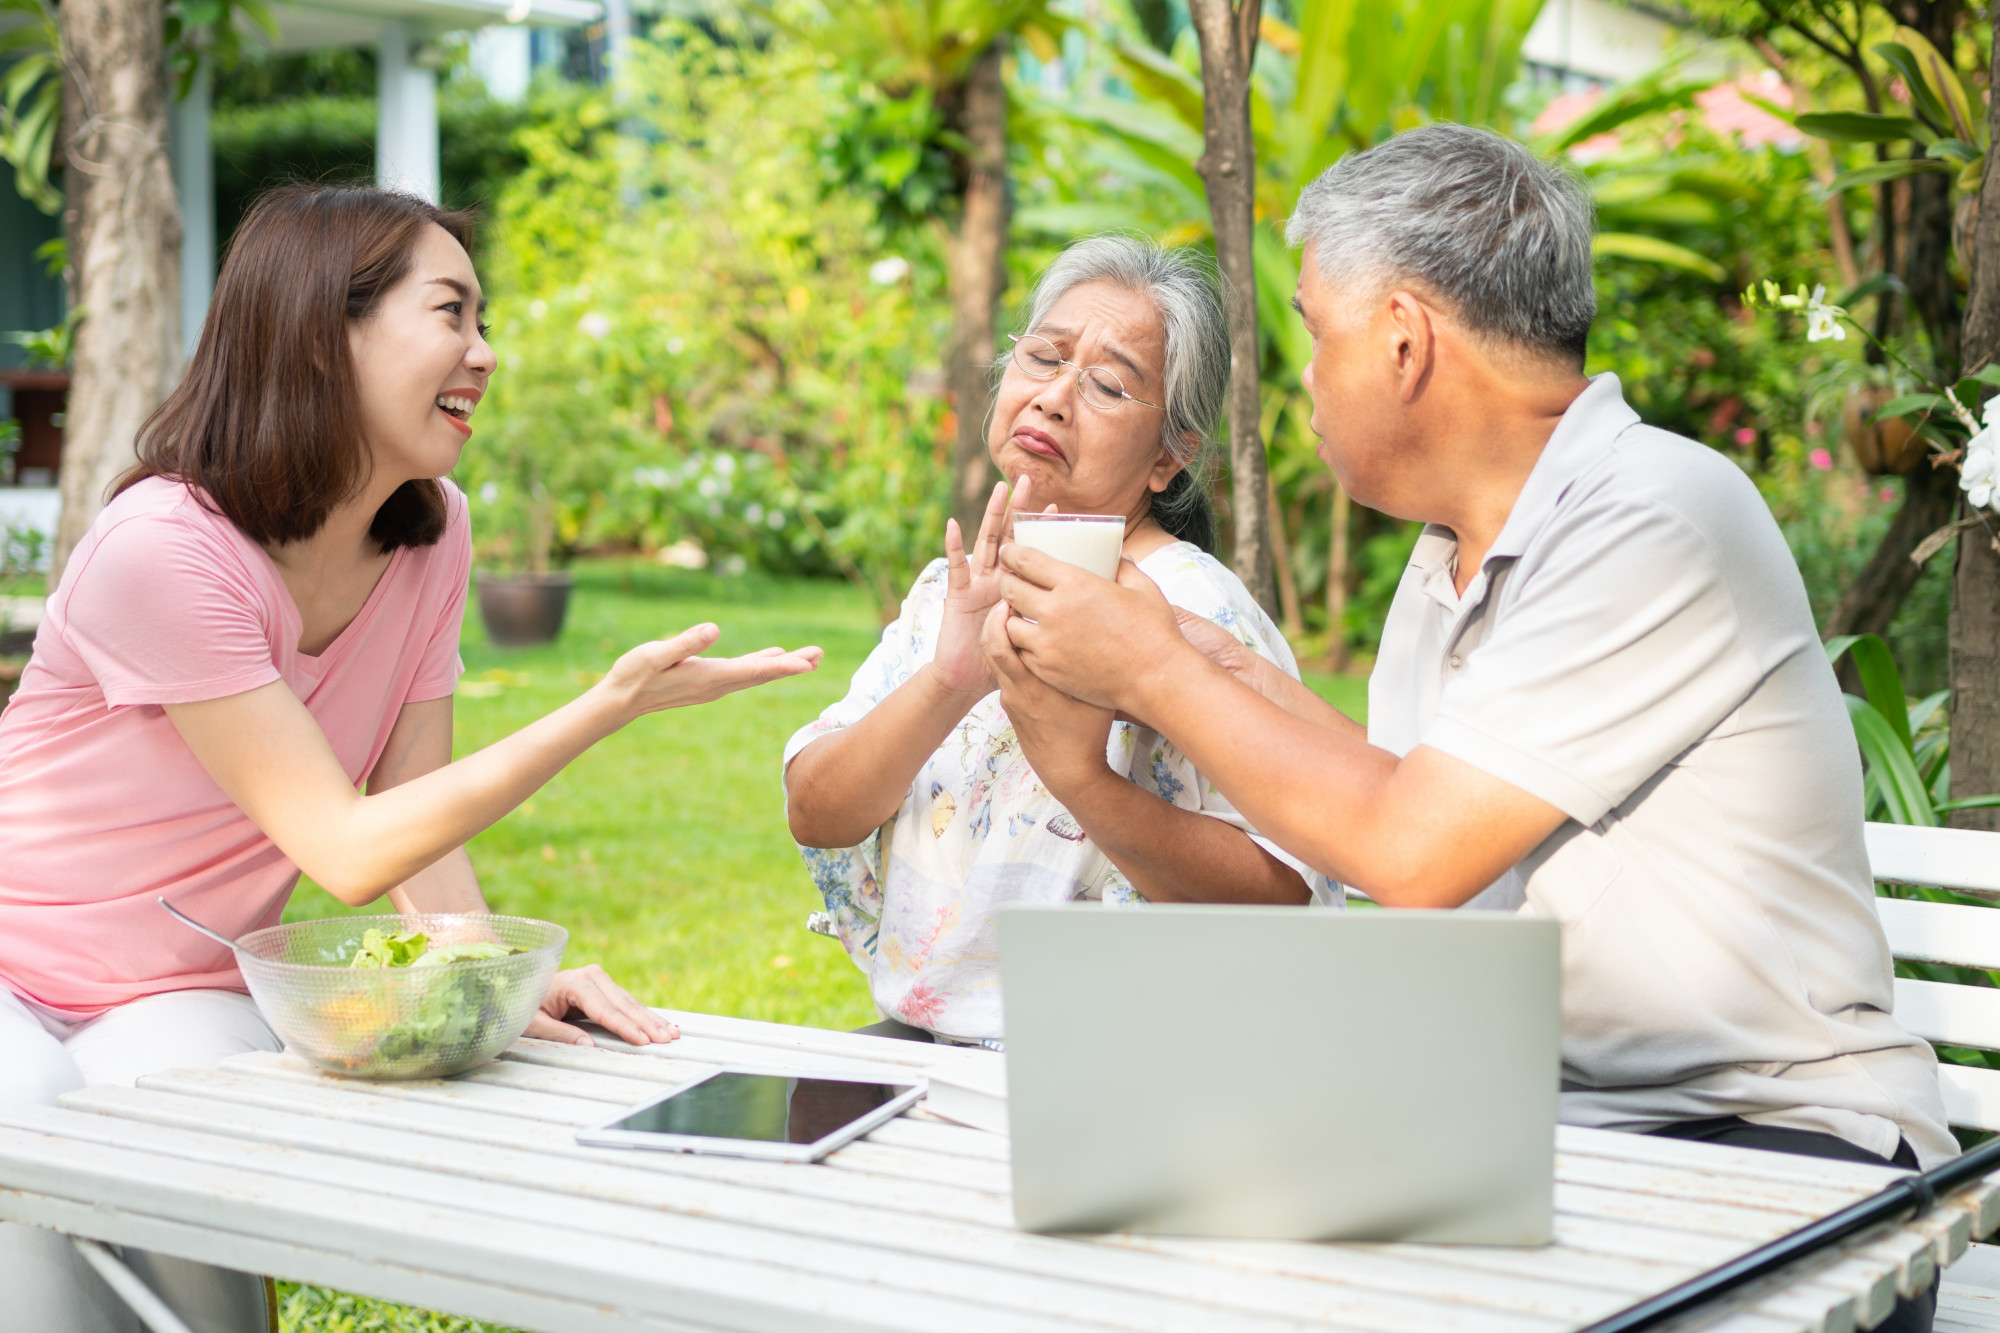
503, 57
194, 188
406, 128
617, 34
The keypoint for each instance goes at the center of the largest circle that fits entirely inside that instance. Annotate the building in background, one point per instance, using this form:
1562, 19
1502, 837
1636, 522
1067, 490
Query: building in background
1583, 44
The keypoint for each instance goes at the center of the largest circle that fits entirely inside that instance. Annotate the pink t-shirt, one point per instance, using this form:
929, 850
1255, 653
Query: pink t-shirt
103, 806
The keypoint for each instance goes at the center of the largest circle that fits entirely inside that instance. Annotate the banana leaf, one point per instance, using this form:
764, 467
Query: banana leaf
1857, 127
1892, 769
1880, 679
1653, 250
1883, 171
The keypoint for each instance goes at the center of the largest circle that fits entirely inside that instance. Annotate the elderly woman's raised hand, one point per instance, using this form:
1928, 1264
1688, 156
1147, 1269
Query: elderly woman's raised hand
972, 591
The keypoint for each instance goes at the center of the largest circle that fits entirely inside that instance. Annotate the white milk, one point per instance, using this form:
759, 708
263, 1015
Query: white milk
1088, 541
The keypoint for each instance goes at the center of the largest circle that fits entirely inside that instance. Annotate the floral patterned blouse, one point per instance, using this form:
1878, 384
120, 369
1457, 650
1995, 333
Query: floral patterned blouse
915, 904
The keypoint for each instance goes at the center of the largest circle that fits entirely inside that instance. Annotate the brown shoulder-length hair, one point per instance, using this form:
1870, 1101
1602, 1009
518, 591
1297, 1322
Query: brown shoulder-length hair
265, 423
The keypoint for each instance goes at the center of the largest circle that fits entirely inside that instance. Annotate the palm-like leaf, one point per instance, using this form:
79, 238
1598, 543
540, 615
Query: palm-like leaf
31, 102
906, 44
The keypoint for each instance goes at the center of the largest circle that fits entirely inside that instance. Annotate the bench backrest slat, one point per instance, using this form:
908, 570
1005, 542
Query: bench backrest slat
1946, 1013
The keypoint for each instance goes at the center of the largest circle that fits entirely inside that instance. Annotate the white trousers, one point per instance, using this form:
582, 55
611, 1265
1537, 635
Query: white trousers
49, 1289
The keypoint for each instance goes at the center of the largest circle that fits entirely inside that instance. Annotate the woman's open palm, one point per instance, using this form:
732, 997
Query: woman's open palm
668, 674
973, 589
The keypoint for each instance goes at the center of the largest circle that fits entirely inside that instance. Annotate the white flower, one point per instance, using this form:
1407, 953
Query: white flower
595, 324
489, 493
883, 272
1823, 320
1979, 474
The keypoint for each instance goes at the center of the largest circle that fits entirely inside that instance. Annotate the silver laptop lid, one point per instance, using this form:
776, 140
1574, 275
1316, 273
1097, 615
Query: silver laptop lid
1288, 1073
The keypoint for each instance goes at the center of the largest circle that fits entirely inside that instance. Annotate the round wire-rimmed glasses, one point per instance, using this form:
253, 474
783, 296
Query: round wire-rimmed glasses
1038, 359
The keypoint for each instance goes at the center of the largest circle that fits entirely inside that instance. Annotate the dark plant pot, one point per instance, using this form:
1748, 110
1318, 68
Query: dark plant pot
523, 608
1889, 448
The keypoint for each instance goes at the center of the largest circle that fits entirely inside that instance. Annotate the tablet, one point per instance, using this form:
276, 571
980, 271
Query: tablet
760, 1113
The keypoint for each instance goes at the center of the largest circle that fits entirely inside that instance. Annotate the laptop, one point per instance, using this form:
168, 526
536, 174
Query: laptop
1282, 1073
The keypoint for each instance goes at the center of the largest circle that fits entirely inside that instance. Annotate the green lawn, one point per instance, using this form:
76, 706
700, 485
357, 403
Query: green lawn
664, 849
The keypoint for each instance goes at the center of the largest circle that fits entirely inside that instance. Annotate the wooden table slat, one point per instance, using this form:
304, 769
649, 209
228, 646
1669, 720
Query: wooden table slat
381, 1277
651, 1279
1005, 1249
472, 1184
355, 1102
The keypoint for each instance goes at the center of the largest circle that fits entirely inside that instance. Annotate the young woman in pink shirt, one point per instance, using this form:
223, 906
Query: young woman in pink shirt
246, 672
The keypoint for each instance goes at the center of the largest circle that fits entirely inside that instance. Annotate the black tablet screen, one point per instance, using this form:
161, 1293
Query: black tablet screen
768, 1107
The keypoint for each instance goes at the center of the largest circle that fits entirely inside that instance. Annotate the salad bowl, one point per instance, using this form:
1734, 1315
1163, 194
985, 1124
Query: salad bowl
401, 996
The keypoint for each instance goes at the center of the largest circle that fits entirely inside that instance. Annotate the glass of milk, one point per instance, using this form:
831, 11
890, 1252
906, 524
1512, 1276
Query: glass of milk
1088, 541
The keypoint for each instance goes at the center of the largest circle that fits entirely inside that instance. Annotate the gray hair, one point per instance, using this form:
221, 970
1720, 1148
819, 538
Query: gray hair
1183, 286
1490, 228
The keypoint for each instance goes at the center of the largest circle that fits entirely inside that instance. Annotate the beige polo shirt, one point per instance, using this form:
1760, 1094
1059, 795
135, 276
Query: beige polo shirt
1637, 651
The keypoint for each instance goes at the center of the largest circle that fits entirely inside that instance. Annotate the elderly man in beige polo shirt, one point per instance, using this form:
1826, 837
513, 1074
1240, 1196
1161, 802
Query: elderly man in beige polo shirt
1600, 692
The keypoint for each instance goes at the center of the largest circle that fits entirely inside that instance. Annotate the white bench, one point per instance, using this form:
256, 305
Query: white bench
1950, 1014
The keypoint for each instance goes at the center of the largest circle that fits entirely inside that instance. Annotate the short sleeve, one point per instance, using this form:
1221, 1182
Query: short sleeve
165, 613
438, 672
907, 643
1621, 648
849, 879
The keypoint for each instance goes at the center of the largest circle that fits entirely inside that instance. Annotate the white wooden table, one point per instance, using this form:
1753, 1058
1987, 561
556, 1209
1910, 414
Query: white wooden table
470, 1195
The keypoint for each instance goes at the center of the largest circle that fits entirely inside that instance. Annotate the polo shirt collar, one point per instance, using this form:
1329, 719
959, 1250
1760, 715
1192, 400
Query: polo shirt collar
1599, 414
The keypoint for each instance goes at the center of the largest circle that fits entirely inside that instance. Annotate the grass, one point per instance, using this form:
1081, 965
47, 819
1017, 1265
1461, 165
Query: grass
664, 849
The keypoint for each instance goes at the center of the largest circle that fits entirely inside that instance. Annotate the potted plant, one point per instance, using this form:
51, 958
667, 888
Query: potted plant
1890, 448
528, 603
546, 445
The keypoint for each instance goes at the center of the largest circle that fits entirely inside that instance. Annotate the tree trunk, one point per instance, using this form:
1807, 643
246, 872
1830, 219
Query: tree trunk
1336, 582
1975, 588
975, 272
1228, 167
124, 229
1292, 622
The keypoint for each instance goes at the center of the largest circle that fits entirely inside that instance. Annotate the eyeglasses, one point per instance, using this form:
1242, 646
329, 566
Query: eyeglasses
1038, 359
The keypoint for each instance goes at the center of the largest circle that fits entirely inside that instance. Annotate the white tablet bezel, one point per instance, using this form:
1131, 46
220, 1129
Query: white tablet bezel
602, 1135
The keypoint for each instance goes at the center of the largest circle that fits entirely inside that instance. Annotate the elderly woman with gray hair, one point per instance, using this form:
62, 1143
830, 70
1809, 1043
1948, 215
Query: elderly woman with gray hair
930, 796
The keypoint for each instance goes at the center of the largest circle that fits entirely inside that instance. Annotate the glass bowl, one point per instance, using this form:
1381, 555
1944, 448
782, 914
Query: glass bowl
399, 1022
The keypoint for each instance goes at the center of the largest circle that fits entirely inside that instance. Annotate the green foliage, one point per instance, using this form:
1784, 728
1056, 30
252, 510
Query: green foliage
893, 151
49, 347
212, 32
307, 1309
698, 339
327, 131
31, 100
1905, 744
195, 32
24, 552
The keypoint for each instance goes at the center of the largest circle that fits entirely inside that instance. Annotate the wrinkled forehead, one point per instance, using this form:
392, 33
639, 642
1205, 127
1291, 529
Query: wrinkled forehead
1107, 321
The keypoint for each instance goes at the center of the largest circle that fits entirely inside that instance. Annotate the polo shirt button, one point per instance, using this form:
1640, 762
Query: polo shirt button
1456, 661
